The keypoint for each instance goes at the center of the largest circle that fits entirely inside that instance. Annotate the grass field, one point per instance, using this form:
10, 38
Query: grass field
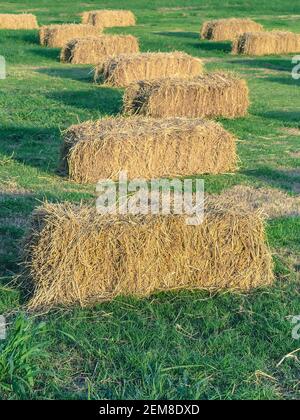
186, 345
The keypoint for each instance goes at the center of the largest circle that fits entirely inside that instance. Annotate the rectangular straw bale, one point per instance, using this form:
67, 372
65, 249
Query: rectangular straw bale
124, 69
228, 29
146, 148
20, 21
109, 18
56, 36
210, 95
94, 50
266, 43
74, 255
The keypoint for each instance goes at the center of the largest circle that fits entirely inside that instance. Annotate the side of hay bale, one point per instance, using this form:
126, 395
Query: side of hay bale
206, 96
56, 36
146, 148
124, 69
18, 21
228, 29
266, 43
94, 50
109, 18
74, 255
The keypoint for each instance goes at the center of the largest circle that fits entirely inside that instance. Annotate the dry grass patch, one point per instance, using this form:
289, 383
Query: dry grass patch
272, 203
228, 29
125, 69
266, 43
21, 21
56, 36
210, 95
94, 50
74, 255
109, 18
146, 148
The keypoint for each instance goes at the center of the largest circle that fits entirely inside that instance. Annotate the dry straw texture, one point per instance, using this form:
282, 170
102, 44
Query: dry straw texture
209, 95
266, 43
109, 18
74, 255
125, 69
228, 29
146, 148
94, 50
271, 202
56, 36
22, 21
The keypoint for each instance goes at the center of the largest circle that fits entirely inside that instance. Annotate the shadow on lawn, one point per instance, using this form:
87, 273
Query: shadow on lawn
106, 101
282, 116
285, 179
36, 147
73, 73
48, 53
268, 63
179, 34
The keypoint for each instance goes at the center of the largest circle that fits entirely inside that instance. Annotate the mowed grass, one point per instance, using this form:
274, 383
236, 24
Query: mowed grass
187, 345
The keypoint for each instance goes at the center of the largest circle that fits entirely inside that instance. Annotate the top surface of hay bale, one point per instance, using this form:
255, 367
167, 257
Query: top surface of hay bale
94, 50
125, 69
57, 36
266, 43
20, 21
74, 255
209, 95
108, 18
228, 29
146, 148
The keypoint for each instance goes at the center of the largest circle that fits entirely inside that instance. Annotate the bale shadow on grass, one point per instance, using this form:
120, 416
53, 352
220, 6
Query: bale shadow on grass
72, 72
267, 63
285, 81
22, 36
48, 53
106, 101
179, 34
214, 46
35, 147
282, 116
287, 180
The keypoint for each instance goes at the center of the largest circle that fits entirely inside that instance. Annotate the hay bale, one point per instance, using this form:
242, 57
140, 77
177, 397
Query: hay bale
109, 18
228, 29
146, 148
124, 69
21, 21
74, 255
266, 43
56, 36
94, 50
209, 95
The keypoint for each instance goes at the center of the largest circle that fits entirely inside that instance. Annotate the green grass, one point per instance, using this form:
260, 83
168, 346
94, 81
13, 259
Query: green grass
174, 345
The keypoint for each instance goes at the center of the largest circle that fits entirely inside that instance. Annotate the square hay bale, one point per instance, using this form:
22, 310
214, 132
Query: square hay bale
94, 50
210, 95
124, 69
21, 21
56, 36
146, 148
74, 255
109, 18
228, 29
266, 43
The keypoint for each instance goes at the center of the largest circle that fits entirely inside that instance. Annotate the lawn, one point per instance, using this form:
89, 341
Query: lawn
187, 345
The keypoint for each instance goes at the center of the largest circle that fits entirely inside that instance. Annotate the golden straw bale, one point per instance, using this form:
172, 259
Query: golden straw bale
94, 50
124, 69
74, 255
210, 95
228, 29
20, 21
56, 36
146, 148
266, 43
109, 18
